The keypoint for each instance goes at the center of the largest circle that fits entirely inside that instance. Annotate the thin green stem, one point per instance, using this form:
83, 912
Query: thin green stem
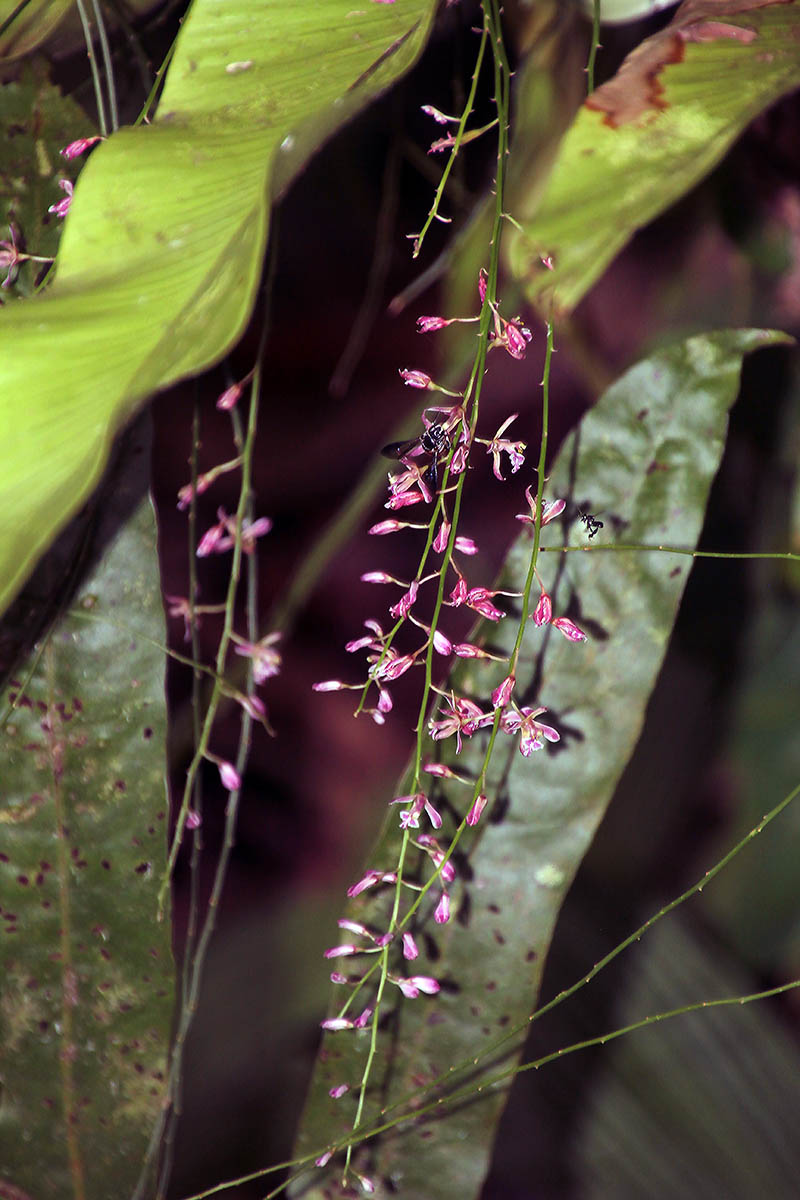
96, 81
735, 556
471, 401
593, 48
109, 66
459, 138
444, 1102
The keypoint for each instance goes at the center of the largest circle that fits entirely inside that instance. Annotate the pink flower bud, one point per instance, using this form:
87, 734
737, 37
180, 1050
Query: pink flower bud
569, 629
475, 813
366, 881
406, 601
227, 400
416, 379
467, 650
376, 577
360, 644
410, 950
211, 540
431, 324
440, 541
403, 500
543, 613
502, 694
193, 819
466, 545
479, 599
384, 701
442, 914
440, 769
341, 951
424, 983
433, 815
390, 526
459, 593
353, 927
442, 644
482, 278
231, 780
77, 148
334, 1024
397, 667
340, 1090
328, 685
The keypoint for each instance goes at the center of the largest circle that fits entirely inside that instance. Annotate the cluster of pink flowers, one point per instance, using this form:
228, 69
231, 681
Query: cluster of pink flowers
447, 442
219, 538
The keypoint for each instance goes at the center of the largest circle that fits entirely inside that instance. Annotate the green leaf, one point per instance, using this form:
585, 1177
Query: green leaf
162, 249
87, 974
648, 135
24, 26
643, 459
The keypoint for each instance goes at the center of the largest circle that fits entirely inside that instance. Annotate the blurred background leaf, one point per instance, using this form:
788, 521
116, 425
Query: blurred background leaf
644, 458
87, 974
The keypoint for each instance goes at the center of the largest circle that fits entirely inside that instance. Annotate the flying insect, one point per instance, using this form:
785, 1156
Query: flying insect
434, 441
592, 523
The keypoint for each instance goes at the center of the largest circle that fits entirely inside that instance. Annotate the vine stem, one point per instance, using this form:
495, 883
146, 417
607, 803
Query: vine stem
492, 30
593, 48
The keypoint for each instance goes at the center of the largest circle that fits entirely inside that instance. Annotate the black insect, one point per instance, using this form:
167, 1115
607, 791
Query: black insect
593, 525
434, 441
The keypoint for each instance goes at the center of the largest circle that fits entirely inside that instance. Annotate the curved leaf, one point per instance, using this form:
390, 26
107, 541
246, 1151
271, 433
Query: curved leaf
87, 977
23, 27
162, 249
645, 457
646, 136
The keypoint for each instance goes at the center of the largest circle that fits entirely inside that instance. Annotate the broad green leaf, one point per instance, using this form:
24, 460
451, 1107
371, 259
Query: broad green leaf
644, 458
86, 981
648, 135
162, 249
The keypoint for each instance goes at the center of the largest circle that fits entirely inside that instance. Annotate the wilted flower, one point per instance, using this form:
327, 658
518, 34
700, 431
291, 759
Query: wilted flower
61, 207
265, 658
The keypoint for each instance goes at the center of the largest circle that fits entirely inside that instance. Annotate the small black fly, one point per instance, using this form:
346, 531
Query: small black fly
593, 525
434, 441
